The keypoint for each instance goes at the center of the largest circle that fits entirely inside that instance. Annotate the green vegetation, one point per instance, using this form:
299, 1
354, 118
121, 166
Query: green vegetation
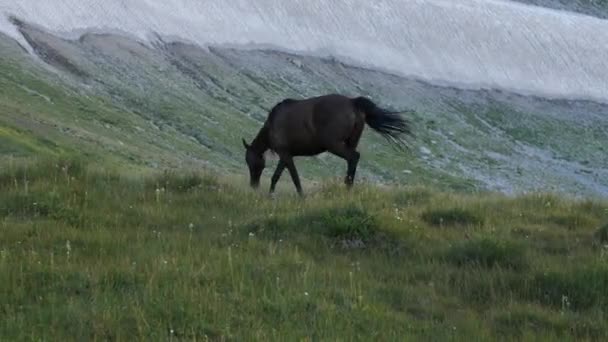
117, 102
451, 217
488, 253
105, 246
90, 253
143, 114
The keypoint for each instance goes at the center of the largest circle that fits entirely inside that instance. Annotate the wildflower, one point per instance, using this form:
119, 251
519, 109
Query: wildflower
565, 303
157, 195
397, 216
306, 294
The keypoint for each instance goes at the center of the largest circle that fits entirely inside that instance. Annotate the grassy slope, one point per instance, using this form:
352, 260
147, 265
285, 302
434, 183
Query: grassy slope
88, 253
176, 105
43, 114
130, 118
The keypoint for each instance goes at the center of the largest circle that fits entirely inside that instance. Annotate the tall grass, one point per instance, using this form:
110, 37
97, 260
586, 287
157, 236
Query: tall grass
90, 254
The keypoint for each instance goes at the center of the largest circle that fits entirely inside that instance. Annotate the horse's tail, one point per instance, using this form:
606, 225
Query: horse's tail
390, 125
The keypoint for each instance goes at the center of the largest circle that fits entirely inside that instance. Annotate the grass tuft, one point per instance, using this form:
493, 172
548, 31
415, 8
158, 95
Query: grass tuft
515, 322
451, 217
580, 289
183, 182
345, 223
602, 234
488, 253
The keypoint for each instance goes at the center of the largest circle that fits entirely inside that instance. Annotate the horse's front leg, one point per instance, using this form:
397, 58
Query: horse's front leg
288, 160
277, 175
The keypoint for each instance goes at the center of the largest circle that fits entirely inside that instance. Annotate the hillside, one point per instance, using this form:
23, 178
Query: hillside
174, 105
125, 210
88, 253
596, 8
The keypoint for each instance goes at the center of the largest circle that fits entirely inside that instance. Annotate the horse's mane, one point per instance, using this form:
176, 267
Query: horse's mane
263, 135
275, 109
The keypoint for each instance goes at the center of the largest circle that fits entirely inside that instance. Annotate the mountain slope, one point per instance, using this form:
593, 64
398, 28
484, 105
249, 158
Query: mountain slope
596, 8
175, 105
469, 43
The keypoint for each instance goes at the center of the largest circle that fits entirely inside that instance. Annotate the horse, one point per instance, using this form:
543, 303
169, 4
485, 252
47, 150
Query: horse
311, 126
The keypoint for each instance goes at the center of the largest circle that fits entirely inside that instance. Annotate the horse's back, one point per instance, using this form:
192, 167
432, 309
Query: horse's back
309, 126
291, 127
335, 118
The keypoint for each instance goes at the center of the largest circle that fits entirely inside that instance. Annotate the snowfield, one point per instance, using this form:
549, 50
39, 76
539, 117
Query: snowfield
470, 43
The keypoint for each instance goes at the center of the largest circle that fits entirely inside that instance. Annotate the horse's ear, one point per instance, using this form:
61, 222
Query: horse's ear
245, 144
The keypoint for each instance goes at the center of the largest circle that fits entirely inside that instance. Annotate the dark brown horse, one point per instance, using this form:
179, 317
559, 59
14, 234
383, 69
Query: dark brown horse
332, 123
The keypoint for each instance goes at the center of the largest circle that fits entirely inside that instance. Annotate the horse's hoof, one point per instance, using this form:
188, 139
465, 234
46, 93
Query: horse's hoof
348, 181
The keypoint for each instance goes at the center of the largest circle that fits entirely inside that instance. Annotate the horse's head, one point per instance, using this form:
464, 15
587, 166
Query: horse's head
256, 163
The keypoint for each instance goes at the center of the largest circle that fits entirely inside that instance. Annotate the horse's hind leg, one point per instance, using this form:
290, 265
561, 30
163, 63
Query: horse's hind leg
352, 168
352, 158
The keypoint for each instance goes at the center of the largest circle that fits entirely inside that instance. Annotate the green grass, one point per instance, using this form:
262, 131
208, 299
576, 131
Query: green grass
88, 253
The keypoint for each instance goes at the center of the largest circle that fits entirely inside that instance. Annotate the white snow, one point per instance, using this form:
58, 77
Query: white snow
468, 42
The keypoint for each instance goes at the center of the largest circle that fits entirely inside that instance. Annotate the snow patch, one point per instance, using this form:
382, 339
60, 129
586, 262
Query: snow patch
473, 43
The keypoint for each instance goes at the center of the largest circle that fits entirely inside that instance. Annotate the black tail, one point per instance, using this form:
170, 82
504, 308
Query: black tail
390, 125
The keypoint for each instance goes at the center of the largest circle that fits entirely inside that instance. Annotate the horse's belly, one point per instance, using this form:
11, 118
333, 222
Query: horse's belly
308, 151
304, 146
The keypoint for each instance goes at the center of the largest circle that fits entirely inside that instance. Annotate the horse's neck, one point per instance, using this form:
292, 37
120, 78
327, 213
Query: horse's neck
261, 143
